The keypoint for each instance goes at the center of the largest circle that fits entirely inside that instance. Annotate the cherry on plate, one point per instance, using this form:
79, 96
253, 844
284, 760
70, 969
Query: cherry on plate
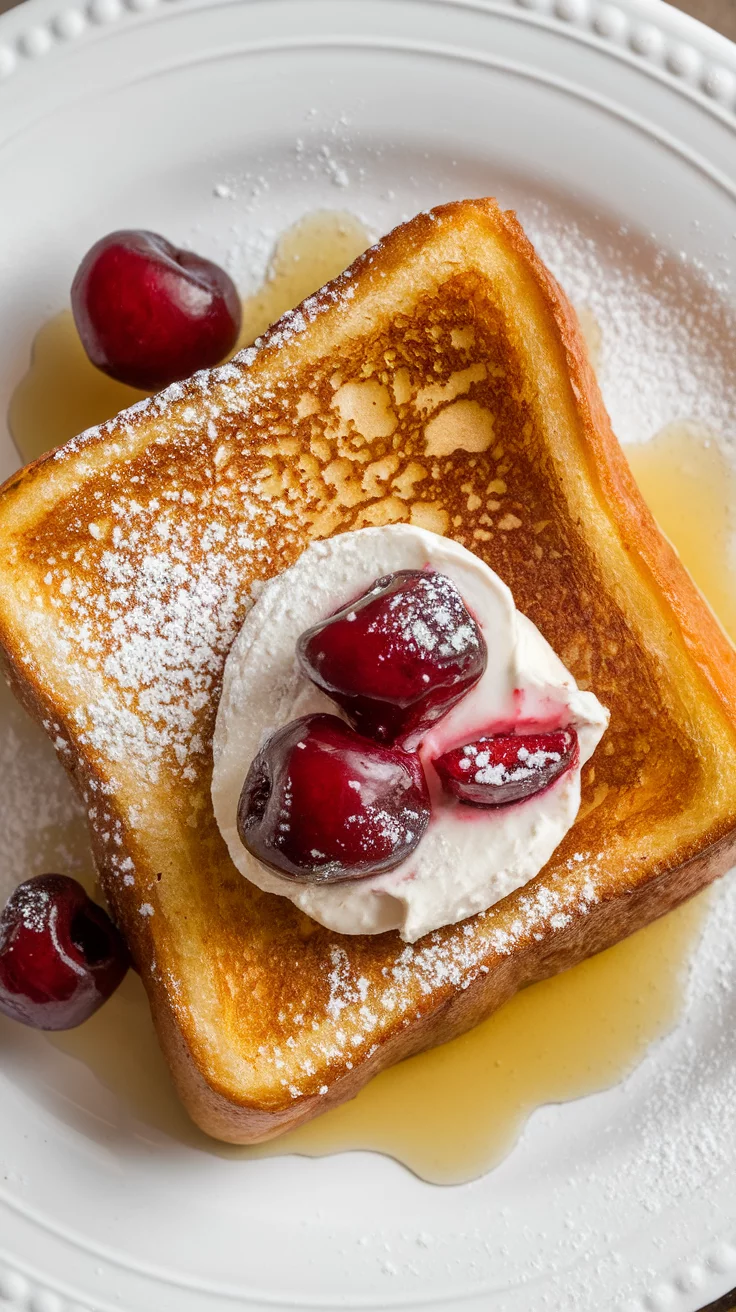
398, 657
321, 804
150, 314
506, 768
60, 954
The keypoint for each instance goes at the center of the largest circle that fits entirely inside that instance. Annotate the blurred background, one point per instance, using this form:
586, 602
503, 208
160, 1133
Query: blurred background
720, 14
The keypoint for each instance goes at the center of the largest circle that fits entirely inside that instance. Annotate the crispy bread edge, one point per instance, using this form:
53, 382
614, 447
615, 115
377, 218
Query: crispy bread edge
706, 642
606, 923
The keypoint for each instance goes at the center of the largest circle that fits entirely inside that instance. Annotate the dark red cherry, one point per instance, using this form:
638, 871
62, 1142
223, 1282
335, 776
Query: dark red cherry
60, 954
398, 657
150, 314
322, 804
506, 767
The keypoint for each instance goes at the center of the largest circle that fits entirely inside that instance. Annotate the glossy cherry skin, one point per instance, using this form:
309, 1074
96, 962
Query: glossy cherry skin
506, 768
398, 657
321, 804
60, 954
150, 314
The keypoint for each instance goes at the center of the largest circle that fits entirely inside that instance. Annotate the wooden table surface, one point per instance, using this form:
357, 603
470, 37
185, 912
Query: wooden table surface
720, 14
725, 1304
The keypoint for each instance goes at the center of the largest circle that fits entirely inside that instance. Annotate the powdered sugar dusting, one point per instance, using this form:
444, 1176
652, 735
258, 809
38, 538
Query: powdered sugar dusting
357, 1008
31, 904
667, 333
170, 620
477, 762
427, 618
43, 825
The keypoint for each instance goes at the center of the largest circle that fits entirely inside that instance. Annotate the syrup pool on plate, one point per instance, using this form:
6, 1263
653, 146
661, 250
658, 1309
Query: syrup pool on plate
691, 490
63, 393
451, 1113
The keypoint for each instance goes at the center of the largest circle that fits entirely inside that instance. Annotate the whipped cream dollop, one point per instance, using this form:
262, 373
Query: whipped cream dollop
469, 857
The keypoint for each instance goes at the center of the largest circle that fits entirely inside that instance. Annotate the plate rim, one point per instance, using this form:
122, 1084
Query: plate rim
665, 42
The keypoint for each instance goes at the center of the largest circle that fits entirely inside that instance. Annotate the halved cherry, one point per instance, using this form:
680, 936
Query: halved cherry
399, 656
322, 804
506, 767
60, 954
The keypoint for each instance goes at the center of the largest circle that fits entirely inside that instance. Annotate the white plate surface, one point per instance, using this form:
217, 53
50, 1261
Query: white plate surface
612, 127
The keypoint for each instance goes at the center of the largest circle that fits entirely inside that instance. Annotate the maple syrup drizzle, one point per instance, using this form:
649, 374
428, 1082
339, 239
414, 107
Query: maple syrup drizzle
63, 393
451, 1113
691, 490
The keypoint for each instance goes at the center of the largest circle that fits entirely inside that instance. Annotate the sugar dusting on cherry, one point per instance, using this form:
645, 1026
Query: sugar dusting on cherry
397, 658
61, 956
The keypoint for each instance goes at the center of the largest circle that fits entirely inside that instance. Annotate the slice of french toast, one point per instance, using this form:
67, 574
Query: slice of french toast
441, 380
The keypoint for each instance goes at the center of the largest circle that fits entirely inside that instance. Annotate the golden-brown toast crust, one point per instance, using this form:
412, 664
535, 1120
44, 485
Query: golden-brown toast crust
443, 379
608, 923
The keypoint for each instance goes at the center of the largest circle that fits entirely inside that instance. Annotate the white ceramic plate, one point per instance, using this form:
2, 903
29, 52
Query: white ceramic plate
612, 128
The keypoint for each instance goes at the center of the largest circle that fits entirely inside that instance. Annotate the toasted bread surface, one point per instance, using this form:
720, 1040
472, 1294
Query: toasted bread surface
441, 380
